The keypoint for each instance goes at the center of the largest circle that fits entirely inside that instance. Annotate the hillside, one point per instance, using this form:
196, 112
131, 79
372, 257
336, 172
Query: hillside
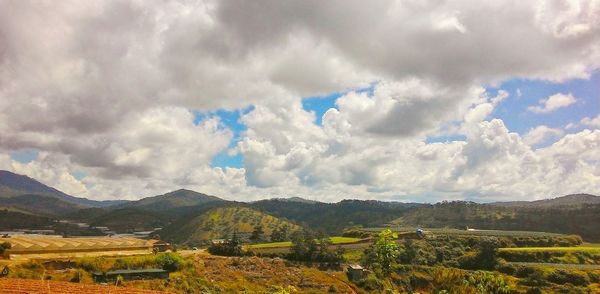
12, 184
38, 204
11, 219
221, 222
583, 220
334, 217
128, 219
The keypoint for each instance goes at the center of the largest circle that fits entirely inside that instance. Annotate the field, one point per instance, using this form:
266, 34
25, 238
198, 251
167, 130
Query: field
334, 241
472, 232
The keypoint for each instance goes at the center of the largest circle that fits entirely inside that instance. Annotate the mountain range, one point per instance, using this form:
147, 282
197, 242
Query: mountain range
193, 218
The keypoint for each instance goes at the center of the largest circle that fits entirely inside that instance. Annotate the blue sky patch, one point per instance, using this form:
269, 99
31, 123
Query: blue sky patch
25, 155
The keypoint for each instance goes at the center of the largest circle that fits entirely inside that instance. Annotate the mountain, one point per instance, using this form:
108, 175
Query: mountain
221, 222
568, 200
150, 212
296, 199
177, 199
334, 217
12, 184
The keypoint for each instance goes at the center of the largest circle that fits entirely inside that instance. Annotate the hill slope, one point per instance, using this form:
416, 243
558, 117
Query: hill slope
221, 222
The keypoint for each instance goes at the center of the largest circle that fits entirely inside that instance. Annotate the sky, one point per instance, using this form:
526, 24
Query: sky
392, 100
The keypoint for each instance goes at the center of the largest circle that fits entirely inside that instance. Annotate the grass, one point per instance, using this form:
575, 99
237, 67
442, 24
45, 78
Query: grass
334, 241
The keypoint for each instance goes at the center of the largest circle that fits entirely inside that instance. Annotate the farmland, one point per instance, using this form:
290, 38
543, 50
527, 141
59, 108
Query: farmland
334, 241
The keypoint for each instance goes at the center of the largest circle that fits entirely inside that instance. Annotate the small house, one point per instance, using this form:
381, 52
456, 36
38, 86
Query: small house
161, 246
356, 272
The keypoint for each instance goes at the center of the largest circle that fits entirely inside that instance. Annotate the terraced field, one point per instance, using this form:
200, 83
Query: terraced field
584, 248
471, 232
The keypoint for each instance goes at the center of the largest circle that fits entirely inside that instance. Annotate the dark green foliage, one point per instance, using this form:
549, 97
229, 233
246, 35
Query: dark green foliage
257, 235
280, 234
306, 248
484, 258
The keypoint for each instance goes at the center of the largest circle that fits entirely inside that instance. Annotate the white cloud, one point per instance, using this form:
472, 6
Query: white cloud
593, 122
106, 87
553, 103
541, 134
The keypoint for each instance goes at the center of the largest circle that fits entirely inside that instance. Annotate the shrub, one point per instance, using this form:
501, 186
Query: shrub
169, 262
487, 282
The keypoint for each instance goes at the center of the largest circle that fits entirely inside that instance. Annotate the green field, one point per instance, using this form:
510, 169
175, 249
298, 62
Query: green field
334, 241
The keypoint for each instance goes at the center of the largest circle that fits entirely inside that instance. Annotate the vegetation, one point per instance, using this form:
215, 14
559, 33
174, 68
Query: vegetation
308, 247
332, 240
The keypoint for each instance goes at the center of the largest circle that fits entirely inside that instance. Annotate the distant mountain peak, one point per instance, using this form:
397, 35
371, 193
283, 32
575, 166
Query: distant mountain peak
12, 184
174, 199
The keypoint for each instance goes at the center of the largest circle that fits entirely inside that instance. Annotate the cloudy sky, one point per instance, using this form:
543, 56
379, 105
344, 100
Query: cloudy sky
394, 100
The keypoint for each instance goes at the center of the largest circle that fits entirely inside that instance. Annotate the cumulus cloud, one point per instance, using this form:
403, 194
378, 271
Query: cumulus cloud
541, 134
553, 103
593, 122
108, 88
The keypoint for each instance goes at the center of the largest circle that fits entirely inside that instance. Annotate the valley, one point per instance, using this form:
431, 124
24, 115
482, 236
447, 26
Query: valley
299, 246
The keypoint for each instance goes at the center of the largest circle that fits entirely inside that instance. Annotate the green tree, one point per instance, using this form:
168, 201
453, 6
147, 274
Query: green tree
383, 252
258, 234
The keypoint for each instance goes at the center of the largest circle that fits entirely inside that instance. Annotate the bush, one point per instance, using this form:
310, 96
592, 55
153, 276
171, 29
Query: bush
371, 283
169, 262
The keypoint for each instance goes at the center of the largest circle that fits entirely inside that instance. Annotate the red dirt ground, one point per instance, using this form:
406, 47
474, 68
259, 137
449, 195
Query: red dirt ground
24, 286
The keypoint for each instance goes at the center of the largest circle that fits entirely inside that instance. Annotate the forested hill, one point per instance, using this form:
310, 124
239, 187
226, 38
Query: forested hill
583, 220
568, 200
334, 217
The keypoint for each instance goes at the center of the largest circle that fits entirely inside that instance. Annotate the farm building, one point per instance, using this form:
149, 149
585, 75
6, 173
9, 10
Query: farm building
356, 272
23, 245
